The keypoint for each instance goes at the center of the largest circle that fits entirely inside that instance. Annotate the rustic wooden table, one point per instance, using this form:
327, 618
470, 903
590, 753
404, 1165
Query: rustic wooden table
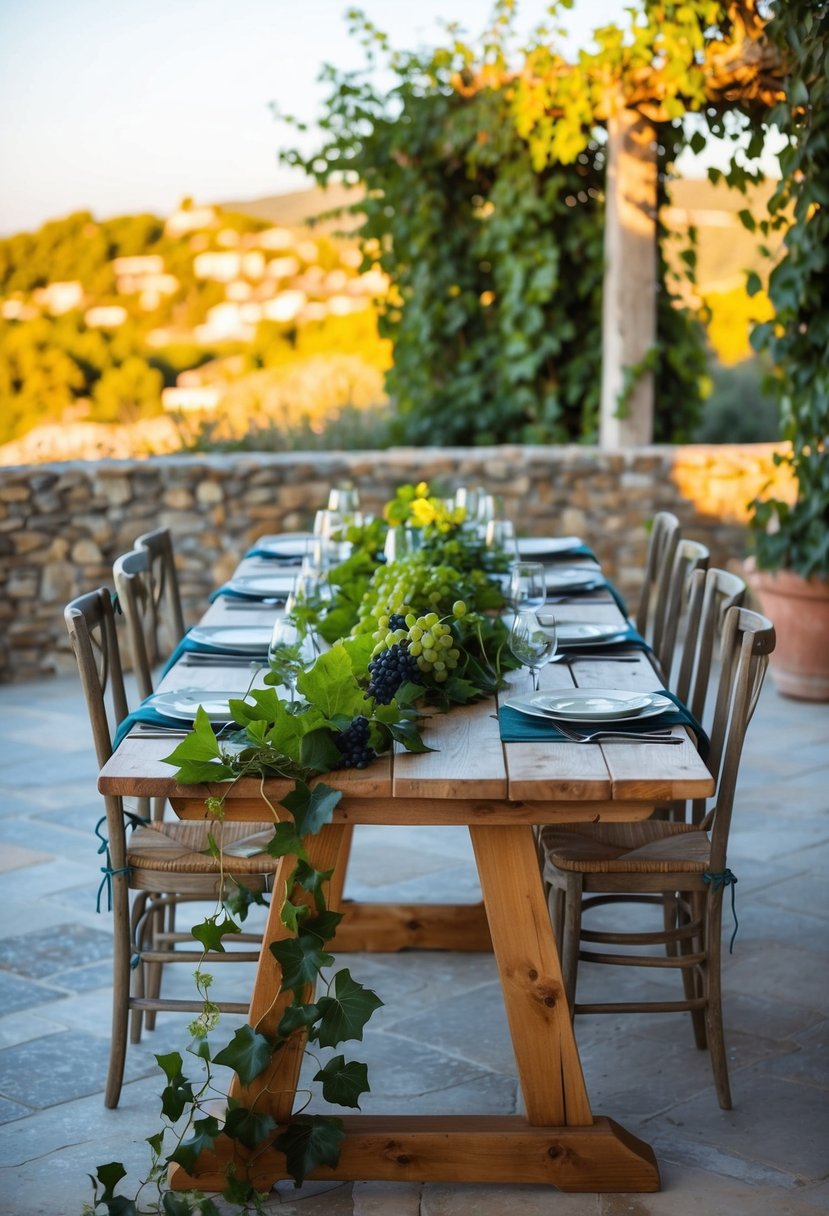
500, 791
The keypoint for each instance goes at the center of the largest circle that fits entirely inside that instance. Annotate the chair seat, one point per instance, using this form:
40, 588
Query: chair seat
652, 846
182, 848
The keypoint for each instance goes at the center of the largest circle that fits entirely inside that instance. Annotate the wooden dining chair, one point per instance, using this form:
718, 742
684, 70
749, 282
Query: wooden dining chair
588, 865
710, 595
662, 542
688, 556
161, 864
146, 583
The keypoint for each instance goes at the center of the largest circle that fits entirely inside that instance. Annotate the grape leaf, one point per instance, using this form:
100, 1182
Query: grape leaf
301, 961
247, 1126
198, 756
308, 1143
248, 1053
318, 751
330, 685
204, 1135
407, 733
343, 1083
345, 1014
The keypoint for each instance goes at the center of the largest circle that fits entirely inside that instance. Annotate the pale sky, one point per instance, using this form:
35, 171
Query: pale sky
119, 106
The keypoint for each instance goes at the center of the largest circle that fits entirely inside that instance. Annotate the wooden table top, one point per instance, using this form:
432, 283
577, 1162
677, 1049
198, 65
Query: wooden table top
526, 782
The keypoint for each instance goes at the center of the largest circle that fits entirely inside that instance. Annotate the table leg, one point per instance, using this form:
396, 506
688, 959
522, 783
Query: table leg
549, 1067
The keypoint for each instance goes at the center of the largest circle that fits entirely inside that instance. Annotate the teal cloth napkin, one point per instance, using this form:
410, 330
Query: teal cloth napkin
597, 584
284, 559
188, 645
516, 727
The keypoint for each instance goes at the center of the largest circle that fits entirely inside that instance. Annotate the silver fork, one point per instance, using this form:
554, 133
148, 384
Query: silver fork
607, 736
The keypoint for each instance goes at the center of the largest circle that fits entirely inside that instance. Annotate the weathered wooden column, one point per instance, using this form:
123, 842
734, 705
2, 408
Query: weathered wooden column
630, 278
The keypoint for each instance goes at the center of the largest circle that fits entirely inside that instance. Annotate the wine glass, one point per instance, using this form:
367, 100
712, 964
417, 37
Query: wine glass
400, 542
527, 586
344, 498
532, 644
499, 537
293, 647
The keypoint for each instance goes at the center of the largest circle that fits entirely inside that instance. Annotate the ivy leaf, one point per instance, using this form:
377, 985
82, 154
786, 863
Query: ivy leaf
312, 880
176, 1096
241, 1191
297, 1017
248, 1127
310, 1143
343, 1083
176, 1203
311, 809
248, 1053
292, 915
198, 756
407, 733
109, 1176
239, 899
345, 1014
301, 961
204, 1136
285, 842
211, 931
323, 926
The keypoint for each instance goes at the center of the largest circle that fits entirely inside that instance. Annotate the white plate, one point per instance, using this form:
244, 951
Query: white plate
577, 633
285, 546
247, 639
592, 705
529, 546
262, 585
183, 704
571, 578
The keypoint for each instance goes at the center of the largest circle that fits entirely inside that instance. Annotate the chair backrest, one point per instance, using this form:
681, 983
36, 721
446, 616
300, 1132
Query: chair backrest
662, 542
90, 620
748, 639
689, 555
711, 593
132, 574
165, 585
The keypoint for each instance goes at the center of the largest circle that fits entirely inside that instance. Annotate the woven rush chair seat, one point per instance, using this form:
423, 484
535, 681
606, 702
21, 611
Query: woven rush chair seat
652, 846
183, 848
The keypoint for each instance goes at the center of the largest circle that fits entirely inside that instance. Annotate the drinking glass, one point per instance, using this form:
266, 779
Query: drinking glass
499, 537
344, 499
527, 586
400, 542
532, 644
293, 647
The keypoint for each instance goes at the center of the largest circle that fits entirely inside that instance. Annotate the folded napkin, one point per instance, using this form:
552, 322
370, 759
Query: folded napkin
188, 645
596, 584
284, 559
149, 716
516, 727
533, 548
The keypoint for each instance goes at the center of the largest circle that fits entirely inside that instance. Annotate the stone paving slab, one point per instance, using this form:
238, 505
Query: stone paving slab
440, 1042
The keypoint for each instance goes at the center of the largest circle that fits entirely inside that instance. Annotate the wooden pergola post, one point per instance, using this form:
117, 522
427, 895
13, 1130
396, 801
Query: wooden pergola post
630, 278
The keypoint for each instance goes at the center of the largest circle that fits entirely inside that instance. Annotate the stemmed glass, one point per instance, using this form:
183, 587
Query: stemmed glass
499, 537
532, 644
293, 647
527, 586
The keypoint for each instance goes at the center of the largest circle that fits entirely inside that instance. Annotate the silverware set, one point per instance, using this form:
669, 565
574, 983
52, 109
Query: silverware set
608, 736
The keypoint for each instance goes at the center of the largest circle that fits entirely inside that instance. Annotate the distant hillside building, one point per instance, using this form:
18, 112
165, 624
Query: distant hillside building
190, 219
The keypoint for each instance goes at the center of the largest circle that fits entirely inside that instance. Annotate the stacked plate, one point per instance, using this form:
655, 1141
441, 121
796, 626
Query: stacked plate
262, 586
241, 639
581, 635
592, 704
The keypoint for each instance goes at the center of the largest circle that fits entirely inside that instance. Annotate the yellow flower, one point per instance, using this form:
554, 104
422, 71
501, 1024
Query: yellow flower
423, 512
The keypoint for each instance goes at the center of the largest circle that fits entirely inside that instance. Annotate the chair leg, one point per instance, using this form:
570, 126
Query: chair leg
713, 1009
571, 936
555, 903
121, 950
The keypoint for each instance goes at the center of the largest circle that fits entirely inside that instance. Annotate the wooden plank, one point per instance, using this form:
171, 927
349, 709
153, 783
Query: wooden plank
274, 1088
389, 927
467, 756
549, 1067
599, 1158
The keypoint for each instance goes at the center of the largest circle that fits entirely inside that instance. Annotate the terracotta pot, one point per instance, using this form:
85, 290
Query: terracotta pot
799, 609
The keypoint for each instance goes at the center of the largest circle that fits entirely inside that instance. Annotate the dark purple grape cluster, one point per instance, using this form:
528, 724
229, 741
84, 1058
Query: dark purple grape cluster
354, 746
397, 621
389, 669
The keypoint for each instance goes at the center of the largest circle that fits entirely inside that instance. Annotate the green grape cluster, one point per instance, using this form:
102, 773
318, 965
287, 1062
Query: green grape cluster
427, 638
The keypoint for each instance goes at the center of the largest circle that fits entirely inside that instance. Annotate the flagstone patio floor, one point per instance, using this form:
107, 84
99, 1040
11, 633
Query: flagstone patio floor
440, 1043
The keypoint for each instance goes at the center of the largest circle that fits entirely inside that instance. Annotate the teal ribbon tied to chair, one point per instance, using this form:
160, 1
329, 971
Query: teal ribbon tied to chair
107, 870
725, 878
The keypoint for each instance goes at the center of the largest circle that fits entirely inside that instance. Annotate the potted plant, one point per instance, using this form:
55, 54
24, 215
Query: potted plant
791, 540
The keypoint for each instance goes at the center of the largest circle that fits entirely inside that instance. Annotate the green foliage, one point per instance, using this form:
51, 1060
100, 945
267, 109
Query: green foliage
797, 536
487, 215
739, 408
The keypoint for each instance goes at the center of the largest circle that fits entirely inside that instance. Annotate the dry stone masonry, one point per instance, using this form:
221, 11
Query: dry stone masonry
62, 525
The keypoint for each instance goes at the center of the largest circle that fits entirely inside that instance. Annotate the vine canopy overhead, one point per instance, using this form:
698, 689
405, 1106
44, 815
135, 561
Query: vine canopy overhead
483, 178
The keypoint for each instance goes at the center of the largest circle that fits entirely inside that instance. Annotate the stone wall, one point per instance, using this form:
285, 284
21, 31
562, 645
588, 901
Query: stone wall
62, 525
